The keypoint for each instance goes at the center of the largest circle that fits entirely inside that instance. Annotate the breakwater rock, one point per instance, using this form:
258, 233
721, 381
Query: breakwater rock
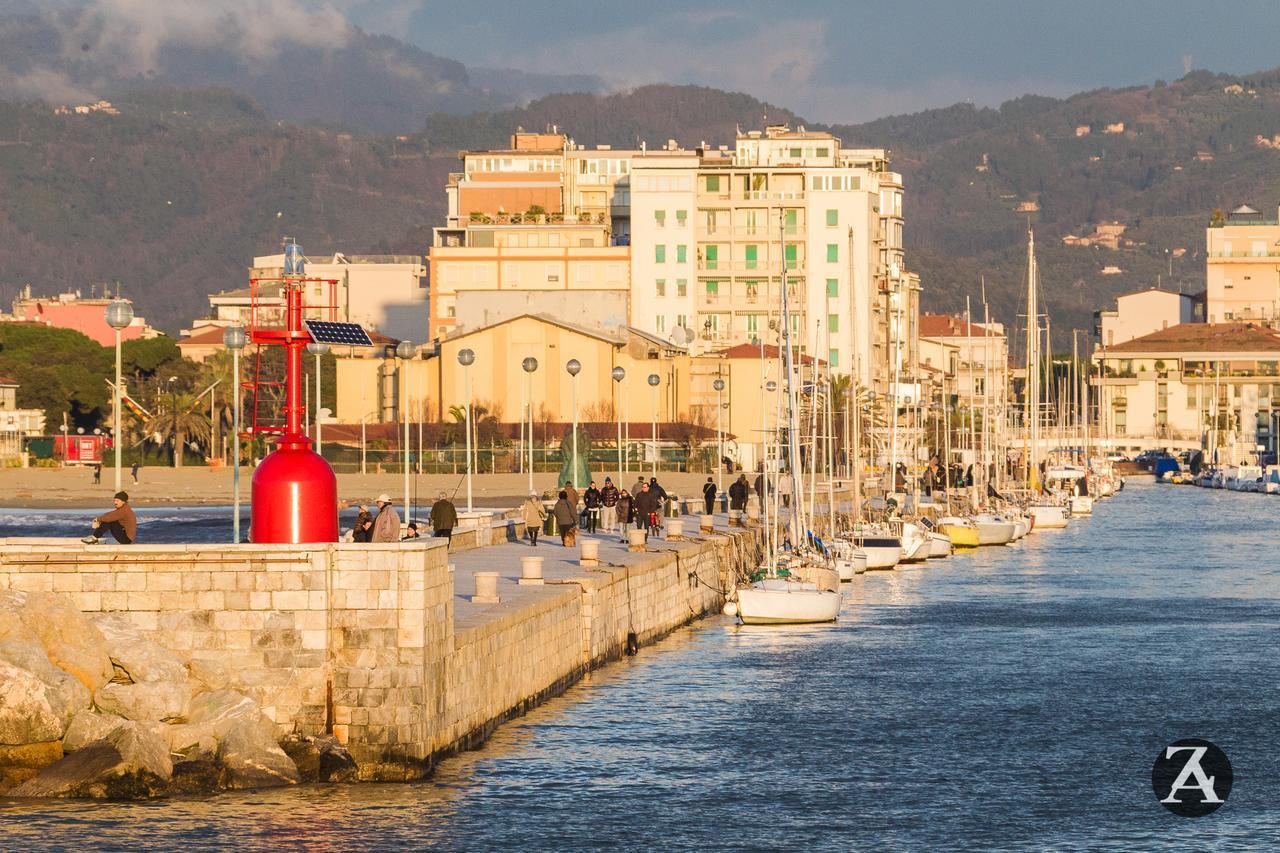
89, 707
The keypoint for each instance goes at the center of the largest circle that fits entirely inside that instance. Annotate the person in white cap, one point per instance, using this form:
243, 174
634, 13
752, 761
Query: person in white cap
386, 527
534, 514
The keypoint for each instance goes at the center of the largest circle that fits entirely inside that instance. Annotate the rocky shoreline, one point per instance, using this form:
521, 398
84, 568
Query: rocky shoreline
91, 708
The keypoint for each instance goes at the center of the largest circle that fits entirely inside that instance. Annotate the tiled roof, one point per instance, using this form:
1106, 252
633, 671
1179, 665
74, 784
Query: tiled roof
950, 326
1204, 337
753, 351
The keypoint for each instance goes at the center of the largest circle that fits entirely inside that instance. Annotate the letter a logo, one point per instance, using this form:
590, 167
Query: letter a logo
1191, 777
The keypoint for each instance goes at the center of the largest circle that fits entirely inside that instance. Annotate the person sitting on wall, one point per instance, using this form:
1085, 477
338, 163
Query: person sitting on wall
119, 522
411, 532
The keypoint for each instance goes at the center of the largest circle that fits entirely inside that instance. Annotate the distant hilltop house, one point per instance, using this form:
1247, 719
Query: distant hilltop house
1083, 130
103, 107
1112, 270
1028, 207
71, 310
985, 165
1108, 234
1114, 127
1233, 89
1204, 156
1262, 141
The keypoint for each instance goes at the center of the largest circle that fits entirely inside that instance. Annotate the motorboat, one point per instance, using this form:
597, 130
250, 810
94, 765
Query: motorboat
1243, 478
1081, 505
915, 543
847, 558
1047, 516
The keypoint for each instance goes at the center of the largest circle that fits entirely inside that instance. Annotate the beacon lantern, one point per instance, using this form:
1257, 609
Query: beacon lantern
295, 493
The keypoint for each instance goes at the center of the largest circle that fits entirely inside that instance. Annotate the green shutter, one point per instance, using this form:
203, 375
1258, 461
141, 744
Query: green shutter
791, 256
713, 288
713, 183
833, 217
751, 257
833, 253
833, 288
681, 253
833, 358
660, 254
713, 257
789, 221
833, 323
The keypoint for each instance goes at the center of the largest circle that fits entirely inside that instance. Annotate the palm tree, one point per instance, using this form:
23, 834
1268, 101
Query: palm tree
188, 422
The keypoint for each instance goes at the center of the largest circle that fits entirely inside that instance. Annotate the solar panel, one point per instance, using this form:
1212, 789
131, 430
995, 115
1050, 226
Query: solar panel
347, 334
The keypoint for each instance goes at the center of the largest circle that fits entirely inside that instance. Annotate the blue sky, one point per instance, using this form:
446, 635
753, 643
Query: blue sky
845, 61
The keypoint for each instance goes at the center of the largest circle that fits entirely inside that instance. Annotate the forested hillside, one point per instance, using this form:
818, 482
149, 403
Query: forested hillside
173, 196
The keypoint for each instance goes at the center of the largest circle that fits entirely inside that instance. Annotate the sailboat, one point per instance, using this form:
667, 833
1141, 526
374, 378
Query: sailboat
1044, 513
796, 585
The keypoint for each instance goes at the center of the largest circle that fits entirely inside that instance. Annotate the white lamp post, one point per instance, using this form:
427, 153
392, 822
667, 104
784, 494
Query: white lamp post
234, 339
466, 358
654, 380
719, 386
619, 374
573, 367
318, 350
530, 364
405, 350
119, 316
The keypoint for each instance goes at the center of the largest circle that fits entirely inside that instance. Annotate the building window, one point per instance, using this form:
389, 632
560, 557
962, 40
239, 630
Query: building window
790, 255
753, 324
660, 218
833, 323
796, 153
660, 254
833, 253
822, 152
661, 287
713, 257
681, 216
833, 288
660, 324
713, 289
833, 357
751, 257
713, 183
681, 321
682, 287
682, 253
789, 221
833, 218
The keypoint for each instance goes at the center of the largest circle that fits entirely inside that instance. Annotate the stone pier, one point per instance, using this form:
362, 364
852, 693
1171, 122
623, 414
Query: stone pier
381, 644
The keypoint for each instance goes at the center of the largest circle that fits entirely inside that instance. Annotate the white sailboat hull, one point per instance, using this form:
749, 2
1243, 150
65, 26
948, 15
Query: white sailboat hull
1081, 505
994, 532
939, 545
848, 565
1048, 517
803, 604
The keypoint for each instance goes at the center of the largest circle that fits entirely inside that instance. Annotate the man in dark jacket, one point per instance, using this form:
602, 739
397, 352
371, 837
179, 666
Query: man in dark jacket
608, 505
591, 504
567, 520
738, 493
119, 522
762, 485
646, 504
709, 495
660, 492
444, 517
626, 513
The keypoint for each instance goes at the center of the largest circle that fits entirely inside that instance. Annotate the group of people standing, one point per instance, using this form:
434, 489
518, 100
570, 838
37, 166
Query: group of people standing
385, 525
604, 508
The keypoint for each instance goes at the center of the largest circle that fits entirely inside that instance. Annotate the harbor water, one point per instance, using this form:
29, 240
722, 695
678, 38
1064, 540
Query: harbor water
1009, 698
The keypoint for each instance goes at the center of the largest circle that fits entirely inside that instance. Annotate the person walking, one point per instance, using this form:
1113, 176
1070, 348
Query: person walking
534, 513
709, 495
762, 486
566, 519
785, 484
638, 487
591, 506
647, 509
571, 495
97, 474
120, 522
386, 526
626, 513
608, 506
133, 472
738, 493
443, 517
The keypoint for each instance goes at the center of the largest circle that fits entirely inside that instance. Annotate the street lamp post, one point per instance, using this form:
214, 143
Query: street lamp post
234, 339
718, 384
405, 350
173, 398
530, 364
119, 316
318, 350
619, 374
654, 379
573, 367
466, 358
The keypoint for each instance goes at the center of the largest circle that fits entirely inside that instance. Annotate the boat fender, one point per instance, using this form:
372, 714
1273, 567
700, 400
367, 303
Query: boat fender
633, 643
731, 608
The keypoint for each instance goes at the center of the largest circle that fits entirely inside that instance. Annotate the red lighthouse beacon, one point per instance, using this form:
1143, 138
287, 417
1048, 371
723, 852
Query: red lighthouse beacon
295, 493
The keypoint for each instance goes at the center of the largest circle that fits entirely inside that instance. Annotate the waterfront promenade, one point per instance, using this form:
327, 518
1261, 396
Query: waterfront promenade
383, 645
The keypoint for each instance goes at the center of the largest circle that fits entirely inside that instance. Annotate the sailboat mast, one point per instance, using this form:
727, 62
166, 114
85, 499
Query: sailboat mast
793, 442
1033, 367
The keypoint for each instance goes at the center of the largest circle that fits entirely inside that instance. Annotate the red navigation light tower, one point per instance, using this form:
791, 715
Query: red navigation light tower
295, 494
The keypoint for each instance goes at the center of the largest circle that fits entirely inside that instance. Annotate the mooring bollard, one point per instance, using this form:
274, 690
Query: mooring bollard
635, 540
707, 523
735, 518
486, 588
588, 552
675, 529
531, 571
753, 512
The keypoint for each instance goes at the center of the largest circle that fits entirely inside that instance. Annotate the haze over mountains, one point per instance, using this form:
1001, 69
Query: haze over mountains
229, 137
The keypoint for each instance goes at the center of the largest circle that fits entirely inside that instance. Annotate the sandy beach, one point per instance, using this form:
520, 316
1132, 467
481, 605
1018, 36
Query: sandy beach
73, 487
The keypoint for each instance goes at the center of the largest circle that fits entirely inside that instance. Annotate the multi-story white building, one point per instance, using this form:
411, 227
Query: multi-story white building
1242, 271
1142, 312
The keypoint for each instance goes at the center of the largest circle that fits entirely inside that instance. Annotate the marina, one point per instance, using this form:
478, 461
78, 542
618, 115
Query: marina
998, 677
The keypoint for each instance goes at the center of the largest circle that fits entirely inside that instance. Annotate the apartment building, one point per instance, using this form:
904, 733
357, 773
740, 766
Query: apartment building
974, 357
1141, 312
1242, 267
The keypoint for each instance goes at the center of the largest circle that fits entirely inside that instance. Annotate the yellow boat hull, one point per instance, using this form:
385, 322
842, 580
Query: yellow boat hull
961, 537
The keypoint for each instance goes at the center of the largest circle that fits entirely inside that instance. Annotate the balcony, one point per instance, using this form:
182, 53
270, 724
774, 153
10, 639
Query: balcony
1245, 256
